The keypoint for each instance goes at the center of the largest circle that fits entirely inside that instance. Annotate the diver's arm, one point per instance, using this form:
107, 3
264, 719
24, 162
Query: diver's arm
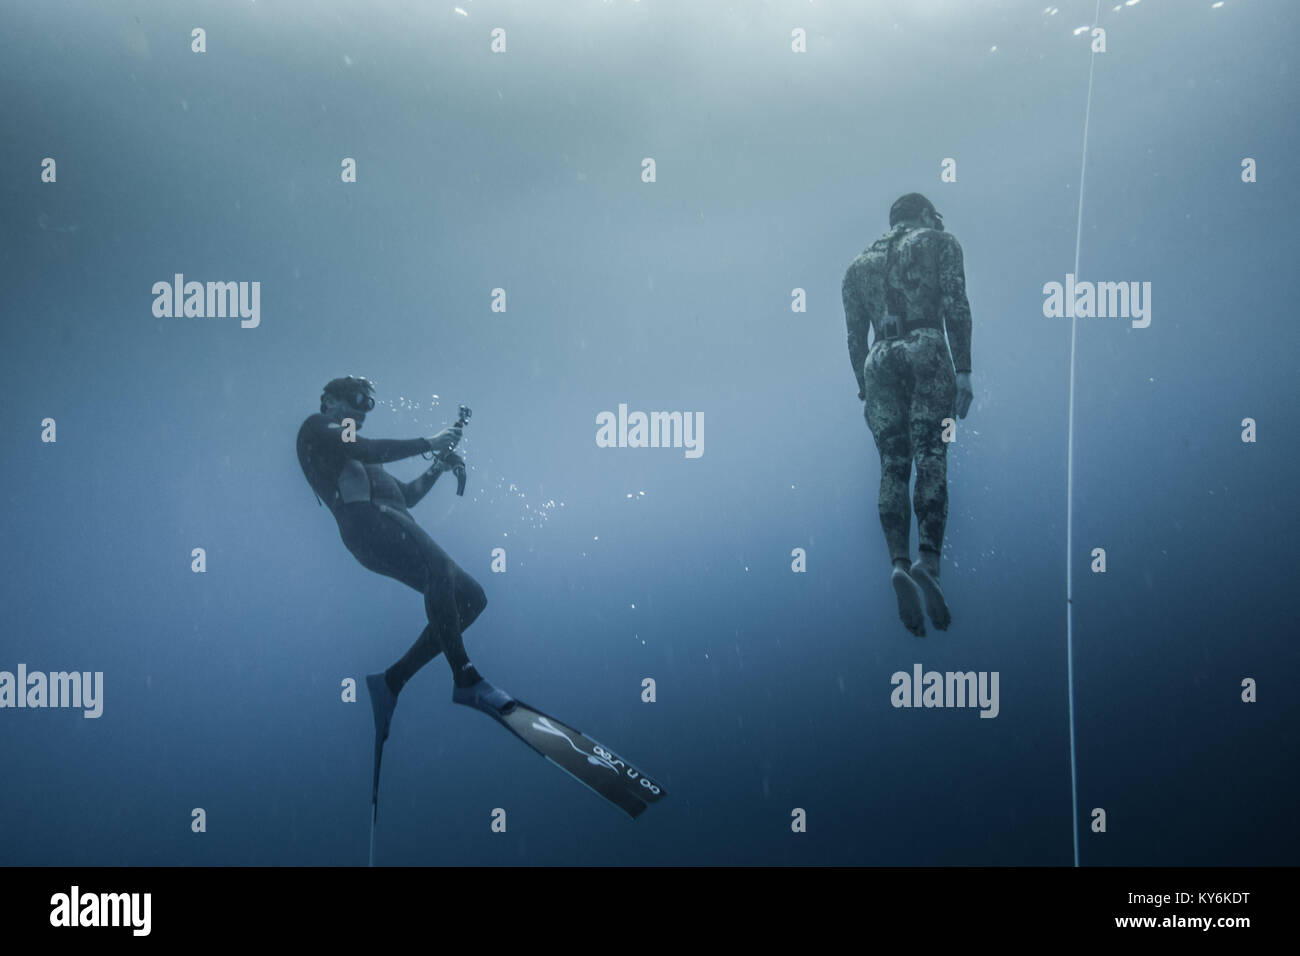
380, 451
416, 489
956, 317
368, 451
953, 302
859, 326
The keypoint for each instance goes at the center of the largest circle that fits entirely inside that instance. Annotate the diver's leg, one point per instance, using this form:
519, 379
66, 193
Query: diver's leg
425, 649
431, 570
930, 501
453, 592
933, 401
887, 398
443, 633
469, 604
470, 598
383, 546
886, 412
391, 543
444, 617
429, 645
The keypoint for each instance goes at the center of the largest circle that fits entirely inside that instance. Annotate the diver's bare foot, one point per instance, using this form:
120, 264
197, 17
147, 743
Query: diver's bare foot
935, 605
909, 602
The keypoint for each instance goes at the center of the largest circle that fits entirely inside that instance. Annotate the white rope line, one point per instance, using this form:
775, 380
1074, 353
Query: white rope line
1069, 474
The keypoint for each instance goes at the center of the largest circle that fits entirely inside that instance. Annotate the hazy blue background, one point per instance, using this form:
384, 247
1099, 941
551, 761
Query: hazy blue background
522, 170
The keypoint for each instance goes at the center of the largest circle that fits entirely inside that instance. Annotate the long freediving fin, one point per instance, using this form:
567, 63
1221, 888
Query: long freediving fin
586, 760
374, 797
382, 704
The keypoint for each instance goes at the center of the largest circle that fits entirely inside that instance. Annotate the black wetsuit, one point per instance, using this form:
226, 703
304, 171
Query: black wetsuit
383, 537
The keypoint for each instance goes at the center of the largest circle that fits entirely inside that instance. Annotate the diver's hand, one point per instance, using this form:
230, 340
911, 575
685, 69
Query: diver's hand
443, 442
448, 461
964, 394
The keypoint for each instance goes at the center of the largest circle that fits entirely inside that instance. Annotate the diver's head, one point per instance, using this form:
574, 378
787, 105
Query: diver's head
349, 397
913, 209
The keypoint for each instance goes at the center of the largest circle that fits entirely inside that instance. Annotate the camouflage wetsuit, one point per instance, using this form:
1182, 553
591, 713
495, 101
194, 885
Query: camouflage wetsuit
907, 376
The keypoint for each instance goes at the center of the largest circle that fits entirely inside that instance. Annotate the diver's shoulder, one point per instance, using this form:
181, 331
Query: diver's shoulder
313, 424
868, 256
854, 267
939, 238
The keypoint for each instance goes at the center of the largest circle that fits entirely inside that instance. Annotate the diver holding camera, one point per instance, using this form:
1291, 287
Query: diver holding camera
372, 509
450, 461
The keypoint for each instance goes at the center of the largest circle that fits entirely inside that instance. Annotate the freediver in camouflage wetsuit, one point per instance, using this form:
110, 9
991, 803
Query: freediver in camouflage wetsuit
908, 287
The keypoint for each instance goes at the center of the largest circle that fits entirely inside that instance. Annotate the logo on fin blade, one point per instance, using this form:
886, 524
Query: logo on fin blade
544, 725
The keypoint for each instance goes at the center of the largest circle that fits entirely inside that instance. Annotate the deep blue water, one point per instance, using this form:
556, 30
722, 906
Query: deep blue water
522, 170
